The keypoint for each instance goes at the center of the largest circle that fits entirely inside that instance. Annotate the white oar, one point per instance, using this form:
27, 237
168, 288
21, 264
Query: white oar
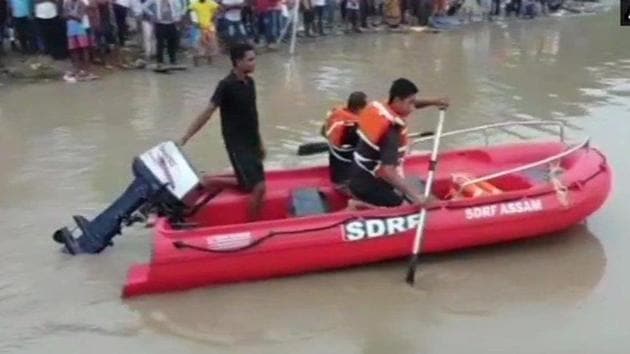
417, 242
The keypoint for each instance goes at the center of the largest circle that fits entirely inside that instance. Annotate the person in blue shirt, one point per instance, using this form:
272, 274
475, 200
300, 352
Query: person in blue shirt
22, 14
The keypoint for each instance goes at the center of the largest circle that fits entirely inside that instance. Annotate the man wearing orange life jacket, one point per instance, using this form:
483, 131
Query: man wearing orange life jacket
382, 132
340, 131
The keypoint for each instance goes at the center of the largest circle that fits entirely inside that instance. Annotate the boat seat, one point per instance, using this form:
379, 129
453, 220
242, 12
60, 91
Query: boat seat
308, 201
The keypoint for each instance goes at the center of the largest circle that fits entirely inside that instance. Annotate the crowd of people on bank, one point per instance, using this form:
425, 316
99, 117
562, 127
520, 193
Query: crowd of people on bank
93, 32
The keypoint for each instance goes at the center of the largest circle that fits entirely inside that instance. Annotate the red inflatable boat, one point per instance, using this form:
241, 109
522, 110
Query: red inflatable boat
482, 196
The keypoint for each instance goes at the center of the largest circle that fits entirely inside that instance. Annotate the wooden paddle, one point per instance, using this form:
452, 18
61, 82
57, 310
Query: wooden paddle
312, 148
417, 242
320, 147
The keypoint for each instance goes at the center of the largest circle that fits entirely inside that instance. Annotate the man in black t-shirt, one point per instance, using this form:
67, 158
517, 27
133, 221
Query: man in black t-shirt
235, 96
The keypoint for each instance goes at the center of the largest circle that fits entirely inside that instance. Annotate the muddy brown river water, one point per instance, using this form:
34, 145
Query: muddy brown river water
66, 149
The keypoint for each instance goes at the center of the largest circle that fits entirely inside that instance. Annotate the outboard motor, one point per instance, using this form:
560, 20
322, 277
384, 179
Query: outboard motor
164, 181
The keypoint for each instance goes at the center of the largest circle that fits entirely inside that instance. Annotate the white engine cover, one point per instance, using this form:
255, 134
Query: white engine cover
169, 165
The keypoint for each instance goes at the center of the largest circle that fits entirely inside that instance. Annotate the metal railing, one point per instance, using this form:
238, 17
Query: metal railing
485, 128
528, 166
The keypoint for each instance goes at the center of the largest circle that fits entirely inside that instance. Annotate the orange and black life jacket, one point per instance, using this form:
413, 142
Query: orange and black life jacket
375, 122
340, 130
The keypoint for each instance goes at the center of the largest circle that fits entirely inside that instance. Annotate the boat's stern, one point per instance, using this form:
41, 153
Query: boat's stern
163, 180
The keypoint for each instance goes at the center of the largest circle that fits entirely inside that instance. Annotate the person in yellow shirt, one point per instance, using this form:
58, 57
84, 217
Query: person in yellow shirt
205, 11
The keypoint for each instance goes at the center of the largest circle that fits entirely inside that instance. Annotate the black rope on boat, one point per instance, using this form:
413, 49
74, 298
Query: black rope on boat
182, 244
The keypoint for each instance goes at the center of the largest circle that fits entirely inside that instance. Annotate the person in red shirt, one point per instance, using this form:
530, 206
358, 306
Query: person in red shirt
269, 13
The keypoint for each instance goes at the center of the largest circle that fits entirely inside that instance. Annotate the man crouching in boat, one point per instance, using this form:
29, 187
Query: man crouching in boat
340, 131
382, 143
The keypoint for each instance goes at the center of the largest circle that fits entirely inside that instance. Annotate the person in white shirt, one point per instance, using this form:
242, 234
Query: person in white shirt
320, 6
147, 37
352, 14
165, 14
51, 27
234, 29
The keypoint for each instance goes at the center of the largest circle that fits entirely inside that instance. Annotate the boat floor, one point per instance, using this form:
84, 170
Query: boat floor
231, 206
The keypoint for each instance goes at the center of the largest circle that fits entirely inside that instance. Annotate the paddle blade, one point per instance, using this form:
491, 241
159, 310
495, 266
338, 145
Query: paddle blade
411, 272
312, 148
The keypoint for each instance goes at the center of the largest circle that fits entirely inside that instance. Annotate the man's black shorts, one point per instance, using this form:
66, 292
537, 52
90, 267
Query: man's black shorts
248, 168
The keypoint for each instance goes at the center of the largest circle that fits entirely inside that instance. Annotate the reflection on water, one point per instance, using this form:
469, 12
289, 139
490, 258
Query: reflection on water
450, 287
67, 149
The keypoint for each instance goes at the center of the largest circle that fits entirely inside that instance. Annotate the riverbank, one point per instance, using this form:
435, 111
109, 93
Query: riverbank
17, 68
